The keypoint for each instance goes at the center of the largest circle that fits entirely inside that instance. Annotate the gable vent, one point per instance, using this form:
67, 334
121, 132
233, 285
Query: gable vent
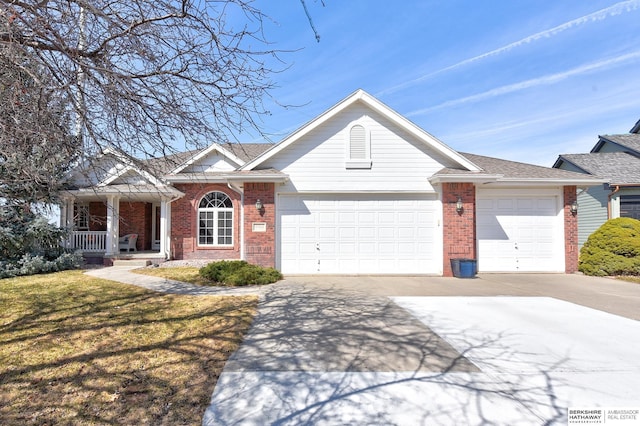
357, 143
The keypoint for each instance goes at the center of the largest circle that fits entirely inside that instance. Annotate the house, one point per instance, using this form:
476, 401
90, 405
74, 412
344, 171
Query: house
616, 159
358, 190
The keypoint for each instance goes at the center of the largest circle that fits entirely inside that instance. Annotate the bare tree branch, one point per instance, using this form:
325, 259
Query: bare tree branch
157, 75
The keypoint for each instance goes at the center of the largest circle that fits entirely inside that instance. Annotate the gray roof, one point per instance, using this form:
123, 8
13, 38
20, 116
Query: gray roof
617, 167
163, 165
516, 170
628, 140
246, 151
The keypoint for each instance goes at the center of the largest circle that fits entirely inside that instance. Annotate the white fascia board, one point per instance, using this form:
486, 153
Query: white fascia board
548, 182
113, 174
203, 154
500, 180
355, 191
380, 108
200, 178
270, 178
106, 190
196, 178
451, 178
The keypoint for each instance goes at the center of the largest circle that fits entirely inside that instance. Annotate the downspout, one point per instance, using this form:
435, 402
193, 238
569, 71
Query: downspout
241, 192
609, 201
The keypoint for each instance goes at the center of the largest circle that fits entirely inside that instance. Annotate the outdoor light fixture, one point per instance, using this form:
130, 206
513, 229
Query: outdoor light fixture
259, 205
574, 207
459, 206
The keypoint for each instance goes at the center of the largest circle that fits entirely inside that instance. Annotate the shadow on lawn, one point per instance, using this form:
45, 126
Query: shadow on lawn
130, 357
337, 356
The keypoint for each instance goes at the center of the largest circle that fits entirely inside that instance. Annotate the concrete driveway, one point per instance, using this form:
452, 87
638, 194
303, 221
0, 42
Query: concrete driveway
499, 349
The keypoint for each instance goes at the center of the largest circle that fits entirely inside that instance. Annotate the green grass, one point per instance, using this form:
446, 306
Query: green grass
629, 278
80, 350
186, 274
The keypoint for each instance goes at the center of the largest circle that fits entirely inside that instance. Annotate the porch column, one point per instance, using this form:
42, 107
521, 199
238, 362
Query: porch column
66, 213
66, 218
113, 224
165, 214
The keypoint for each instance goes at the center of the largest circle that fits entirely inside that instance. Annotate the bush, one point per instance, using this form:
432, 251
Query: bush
31, 265
613, 249
30, 245
239, 273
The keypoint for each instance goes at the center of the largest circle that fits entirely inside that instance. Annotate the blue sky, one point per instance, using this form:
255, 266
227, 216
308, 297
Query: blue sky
522, 80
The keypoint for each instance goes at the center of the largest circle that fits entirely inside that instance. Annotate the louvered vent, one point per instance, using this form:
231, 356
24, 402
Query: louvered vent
358, 147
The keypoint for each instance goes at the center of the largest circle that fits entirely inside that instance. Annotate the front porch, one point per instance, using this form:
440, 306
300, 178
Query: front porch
93, 245
98, 221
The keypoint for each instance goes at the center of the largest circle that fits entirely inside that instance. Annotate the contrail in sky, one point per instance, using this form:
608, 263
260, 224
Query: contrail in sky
548, 79
616, 9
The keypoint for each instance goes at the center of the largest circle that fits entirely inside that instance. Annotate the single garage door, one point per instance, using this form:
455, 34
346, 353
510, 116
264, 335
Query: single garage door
519, 232
358, 234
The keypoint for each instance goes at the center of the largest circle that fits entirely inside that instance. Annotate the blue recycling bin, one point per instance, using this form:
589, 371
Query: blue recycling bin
464, 268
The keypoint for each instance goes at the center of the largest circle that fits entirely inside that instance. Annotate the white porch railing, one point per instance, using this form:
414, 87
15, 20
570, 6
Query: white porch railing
89, 241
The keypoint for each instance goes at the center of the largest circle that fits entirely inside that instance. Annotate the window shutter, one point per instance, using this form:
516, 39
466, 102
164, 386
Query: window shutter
357, 143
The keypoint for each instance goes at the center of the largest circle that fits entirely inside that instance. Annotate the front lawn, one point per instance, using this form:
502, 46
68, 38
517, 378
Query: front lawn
186, 274
80, 350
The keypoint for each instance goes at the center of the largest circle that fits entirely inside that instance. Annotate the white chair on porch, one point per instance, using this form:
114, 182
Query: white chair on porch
128, 242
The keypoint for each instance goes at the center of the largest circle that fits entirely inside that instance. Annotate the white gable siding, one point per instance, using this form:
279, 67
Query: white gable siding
316, 162
214, 162
131, 177
98, 172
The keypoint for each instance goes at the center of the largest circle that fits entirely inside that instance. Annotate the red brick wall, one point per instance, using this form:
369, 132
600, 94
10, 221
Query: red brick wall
459, 229
135, 218
184, 225
570, 231
260, 247
97, 216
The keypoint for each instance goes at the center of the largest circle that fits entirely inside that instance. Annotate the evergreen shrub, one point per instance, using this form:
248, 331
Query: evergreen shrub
239, 273
613, 249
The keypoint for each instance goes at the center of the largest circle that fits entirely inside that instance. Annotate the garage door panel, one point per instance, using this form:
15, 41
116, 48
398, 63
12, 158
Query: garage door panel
359, 233
304, 232
519, 233
387, 233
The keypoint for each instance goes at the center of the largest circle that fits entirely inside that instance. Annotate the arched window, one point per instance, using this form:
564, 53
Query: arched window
215, 220
358, 148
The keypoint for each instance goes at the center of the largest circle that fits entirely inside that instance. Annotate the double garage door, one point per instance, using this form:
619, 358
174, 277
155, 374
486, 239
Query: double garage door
358, 234
519, 232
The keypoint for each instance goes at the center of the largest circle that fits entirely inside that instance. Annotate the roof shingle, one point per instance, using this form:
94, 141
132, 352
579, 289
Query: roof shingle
617, 167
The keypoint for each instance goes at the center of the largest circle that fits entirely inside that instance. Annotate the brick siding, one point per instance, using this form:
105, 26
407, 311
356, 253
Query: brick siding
184, 224
570, 231
135, 218
459, 229
260, 247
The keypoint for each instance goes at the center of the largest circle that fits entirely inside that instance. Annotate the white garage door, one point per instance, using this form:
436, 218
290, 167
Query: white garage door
519, 233
358, 234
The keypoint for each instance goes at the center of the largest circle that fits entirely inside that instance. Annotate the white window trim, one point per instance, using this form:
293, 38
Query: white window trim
216, 211
82, 209
361, 163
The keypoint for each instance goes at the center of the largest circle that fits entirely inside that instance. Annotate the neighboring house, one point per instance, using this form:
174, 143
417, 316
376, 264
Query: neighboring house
358, 190
616, 159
